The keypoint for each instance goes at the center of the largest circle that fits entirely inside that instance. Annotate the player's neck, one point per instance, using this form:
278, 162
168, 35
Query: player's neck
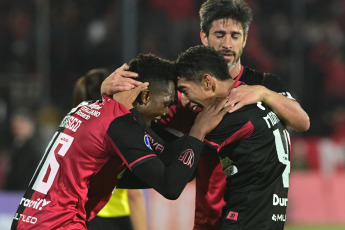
235, 71
224, 87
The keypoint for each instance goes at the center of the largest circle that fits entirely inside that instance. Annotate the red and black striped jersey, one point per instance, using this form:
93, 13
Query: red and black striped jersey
254, 150
93, 147
210, 179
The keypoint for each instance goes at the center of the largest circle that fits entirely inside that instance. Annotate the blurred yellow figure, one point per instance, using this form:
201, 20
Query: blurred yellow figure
117, 206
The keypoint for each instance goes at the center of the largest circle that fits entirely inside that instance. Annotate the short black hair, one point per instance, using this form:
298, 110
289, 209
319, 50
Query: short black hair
218, 9
193, 63
155, 70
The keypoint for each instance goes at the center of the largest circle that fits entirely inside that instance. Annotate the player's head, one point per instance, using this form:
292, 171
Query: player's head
199, 68
224, 26
161, 75
88, 86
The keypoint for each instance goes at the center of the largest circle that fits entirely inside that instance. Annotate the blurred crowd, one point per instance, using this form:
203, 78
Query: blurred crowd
301, 41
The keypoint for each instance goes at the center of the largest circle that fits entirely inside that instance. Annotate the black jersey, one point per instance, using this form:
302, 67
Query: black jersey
86, 158
270, 81
254, 150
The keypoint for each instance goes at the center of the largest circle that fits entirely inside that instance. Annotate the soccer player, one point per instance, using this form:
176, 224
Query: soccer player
252, 144
98, 141
125, 209
224, 26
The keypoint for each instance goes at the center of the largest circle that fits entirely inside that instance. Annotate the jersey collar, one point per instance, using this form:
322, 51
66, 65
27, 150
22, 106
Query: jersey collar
237, 78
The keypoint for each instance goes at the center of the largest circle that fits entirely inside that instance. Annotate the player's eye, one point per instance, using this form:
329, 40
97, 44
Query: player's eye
219, 35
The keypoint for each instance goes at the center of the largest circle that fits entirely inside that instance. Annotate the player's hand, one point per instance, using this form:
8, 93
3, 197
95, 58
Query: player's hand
128, 97
245, 95
209, 118
118, 81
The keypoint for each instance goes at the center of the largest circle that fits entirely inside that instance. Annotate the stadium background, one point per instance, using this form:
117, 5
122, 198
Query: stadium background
45, 46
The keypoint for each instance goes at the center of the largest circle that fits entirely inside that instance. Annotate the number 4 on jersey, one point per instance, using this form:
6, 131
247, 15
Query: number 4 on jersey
51, 166
282, 147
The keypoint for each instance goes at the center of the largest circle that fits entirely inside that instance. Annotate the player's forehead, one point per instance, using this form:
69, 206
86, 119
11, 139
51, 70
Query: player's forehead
183, 83
167, 93
226, 24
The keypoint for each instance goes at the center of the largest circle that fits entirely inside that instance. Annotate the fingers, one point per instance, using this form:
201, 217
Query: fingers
123, 71
124, 66
221, 104
237, 106
133, 82
141, 87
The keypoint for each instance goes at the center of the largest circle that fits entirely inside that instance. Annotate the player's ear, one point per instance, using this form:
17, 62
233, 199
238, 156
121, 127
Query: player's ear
207, 82
203, 37
145, 96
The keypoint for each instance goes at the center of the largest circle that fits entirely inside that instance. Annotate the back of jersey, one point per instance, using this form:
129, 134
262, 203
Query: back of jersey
63, 189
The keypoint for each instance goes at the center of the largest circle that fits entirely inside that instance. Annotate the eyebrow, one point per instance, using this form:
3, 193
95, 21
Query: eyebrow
223, 32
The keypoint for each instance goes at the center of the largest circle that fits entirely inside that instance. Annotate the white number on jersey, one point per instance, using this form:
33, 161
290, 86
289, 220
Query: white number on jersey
283, 150
50, 167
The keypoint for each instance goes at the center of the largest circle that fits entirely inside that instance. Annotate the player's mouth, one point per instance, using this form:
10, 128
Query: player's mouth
228, 54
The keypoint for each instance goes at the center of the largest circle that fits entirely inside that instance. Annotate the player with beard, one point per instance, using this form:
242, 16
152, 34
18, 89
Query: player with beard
224, 26
98, 141
251, 143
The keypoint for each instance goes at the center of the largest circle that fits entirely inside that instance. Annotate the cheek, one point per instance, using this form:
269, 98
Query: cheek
216, 45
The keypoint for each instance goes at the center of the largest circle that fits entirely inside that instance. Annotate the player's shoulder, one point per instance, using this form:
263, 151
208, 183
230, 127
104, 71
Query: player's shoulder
255, 77
269, 80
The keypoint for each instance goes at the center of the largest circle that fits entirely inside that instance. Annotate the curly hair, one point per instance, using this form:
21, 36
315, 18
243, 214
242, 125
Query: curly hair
237, 10
193, 63
155, 70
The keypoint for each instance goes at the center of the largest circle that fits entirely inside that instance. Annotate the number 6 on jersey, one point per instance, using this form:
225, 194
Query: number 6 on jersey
51, 166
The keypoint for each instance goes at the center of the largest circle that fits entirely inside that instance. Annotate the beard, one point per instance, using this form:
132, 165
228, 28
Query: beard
233, 64
236, 56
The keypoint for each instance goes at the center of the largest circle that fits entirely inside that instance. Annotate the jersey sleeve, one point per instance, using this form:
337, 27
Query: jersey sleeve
139, 153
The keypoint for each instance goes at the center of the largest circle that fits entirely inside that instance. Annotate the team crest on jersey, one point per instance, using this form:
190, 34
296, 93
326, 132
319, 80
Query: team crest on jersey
147, 142
232, 215
187, 157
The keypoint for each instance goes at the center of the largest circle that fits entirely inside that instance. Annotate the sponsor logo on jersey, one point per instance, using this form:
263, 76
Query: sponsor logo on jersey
279, 217
35, 204
152, 144
25, 218
147, 142
279, 201
187, 157
271, 119
232, 215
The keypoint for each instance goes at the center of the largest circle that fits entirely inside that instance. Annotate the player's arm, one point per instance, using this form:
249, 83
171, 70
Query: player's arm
287, 109
168, 180
137, 206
